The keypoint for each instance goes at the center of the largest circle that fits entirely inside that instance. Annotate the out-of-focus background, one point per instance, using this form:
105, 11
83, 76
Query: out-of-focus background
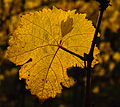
105, 77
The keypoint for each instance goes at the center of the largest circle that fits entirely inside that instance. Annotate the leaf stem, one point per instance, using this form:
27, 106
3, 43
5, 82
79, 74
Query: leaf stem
79, 56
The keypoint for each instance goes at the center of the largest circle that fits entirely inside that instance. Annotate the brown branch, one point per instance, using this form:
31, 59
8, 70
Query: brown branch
89, 57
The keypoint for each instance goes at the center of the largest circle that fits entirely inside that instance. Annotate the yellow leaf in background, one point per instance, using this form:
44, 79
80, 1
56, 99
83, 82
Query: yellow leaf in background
35, 46
2, 77
96, 90
111, 66
32, 3
116, 56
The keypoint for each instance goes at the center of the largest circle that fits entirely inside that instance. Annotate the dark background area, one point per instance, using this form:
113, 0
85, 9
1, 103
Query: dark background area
105, 76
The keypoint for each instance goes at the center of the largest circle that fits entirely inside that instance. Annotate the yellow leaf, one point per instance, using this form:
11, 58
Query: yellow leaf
116, 56
35, 45
96, 90
2, 77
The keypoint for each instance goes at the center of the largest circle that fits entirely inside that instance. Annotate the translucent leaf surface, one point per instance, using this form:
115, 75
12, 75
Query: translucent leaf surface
35, 46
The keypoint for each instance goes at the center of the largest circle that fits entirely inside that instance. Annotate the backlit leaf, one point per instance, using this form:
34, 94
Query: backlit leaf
35, 45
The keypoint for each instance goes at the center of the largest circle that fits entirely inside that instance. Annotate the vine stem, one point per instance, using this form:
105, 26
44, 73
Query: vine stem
89, 58
77, 55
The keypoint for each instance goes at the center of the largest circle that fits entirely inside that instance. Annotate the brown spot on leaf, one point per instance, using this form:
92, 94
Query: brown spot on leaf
66, 26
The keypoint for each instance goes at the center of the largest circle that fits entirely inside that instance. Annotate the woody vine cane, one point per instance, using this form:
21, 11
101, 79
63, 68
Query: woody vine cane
89, 57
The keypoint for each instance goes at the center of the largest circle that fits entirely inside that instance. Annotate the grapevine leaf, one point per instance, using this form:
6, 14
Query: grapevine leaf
35, 45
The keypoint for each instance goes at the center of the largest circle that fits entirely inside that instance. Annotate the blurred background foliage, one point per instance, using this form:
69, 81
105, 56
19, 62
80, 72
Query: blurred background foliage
105, 75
